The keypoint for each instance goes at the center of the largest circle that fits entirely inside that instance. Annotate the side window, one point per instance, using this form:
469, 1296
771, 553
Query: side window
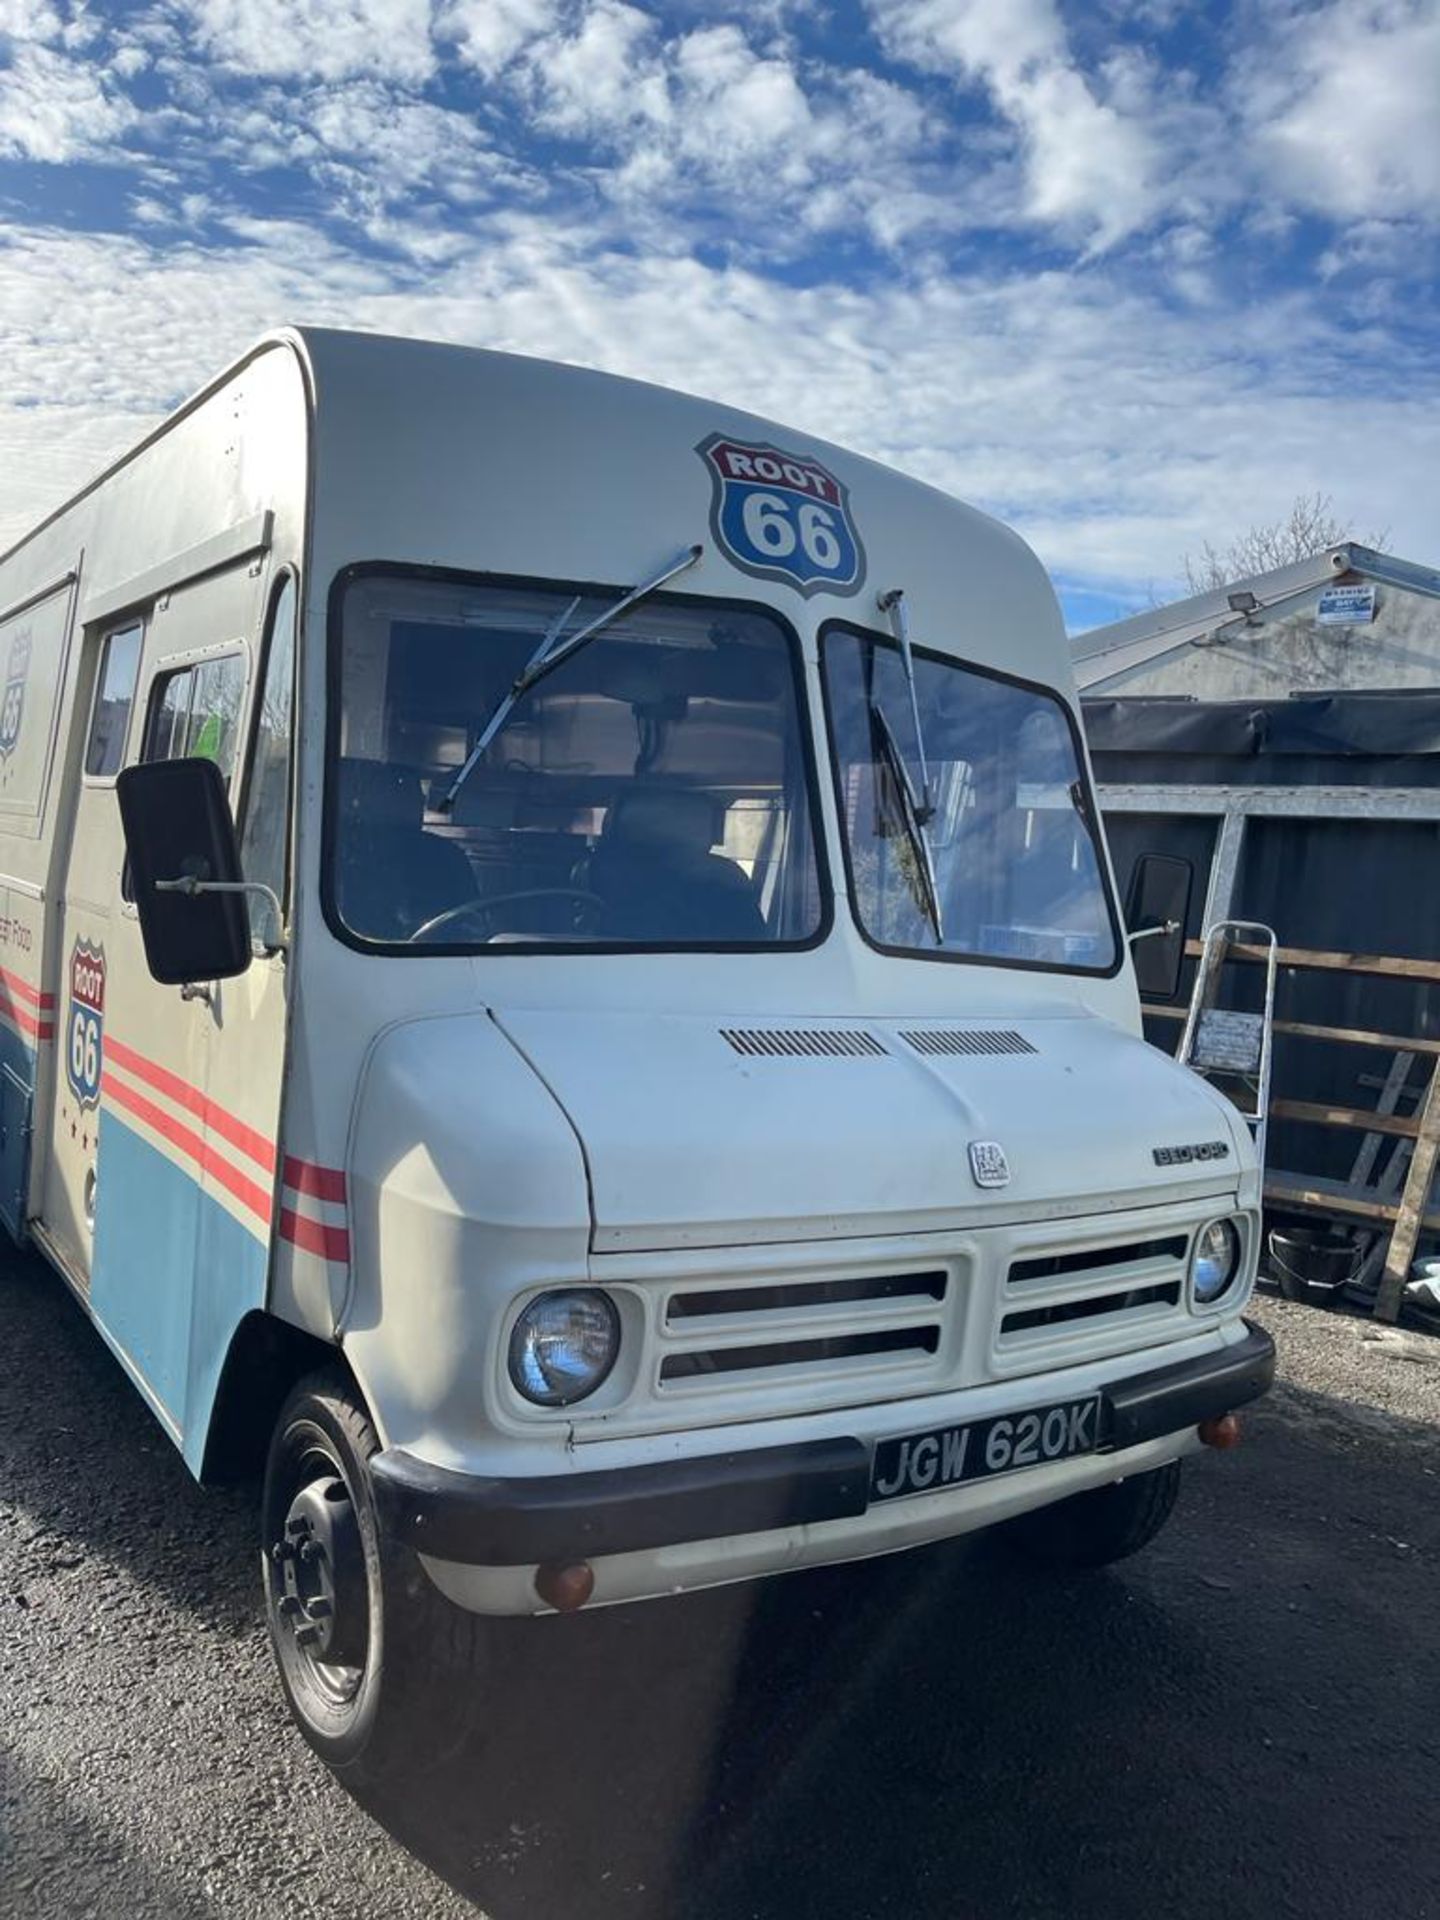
195, 713
263, 841
114, 695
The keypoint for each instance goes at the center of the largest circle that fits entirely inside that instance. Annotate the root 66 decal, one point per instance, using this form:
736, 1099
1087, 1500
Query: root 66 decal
12, 700
782, 516
85, 1022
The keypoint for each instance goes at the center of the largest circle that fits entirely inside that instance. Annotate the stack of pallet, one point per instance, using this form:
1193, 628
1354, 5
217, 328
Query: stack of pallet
1390, 1194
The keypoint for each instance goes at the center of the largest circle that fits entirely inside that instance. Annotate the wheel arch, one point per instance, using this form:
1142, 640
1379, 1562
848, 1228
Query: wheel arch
265, 1358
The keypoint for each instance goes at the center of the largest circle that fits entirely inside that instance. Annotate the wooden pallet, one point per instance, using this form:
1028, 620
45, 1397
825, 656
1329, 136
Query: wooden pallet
1363, 1197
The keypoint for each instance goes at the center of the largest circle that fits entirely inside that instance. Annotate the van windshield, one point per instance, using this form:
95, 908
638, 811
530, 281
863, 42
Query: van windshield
1017, 872
652, 791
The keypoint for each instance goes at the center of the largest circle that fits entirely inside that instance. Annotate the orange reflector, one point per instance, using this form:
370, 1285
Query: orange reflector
565, 1588
1222, 1432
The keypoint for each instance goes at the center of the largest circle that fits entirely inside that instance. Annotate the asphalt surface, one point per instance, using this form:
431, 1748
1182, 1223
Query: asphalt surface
1245, 1720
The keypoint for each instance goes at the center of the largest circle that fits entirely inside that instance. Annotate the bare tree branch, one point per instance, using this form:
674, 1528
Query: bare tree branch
1310, 527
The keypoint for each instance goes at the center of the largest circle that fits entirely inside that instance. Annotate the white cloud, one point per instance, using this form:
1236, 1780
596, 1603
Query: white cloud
489, 33
1351, 110
1085, 164
704, 128
56, 109
602, 77
1115, 432
28, 20
1119, 415
326, 39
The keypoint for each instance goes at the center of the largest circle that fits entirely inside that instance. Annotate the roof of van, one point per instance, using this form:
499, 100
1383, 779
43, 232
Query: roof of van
465, 458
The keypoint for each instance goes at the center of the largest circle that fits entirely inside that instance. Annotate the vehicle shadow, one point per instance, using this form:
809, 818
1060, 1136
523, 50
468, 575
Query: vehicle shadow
1242, 1719
1221, 1724
85, 1463
773, 1749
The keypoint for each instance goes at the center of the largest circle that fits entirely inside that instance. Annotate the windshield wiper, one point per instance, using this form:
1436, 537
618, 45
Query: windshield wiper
910, 819
551, 652
916, 811
893, 603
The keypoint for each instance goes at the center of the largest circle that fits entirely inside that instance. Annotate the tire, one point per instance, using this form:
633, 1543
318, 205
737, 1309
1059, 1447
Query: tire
1096, 1528
372, 1659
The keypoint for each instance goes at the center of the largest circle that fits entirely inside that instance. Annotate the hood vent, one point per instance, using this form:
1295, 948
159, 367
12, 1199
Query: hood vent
810, 1043
969, 1040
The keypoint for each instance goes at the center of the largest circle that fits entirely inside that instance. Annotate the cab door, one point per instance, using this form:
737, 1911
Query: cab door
245, 1021
161, 1195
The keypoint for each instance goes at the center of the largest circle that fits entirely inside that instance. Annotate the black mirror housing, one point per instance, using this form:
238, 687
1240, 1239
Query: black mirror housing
178, 826
1159, 896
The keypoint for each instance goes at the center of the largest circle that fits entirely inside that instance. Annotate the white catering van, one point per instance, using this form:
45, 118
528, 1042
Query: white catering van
562, 990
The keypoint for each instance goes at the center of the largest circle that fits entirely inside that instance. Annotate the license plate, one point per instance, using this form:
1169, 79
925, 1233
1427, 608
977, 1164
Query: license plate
947, 1456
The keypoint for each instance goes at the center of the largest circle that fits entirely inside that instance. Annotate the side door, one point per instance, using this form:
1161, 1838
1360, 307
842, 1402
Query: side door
86, 917
132, 1138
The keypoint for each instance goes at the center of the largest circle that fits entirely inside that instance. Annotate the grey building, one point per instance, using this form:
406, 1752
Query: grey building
1281, 737
1345, 619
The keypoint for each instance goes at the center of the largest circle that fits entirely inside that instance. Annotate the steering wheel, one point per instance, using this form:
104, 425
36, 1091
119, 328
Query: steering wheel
487, 906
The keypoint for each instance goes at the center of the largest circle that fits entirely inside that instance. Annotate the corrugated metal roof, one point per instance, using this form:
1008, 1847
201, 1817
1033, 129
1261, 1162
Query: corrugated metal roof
1105, 651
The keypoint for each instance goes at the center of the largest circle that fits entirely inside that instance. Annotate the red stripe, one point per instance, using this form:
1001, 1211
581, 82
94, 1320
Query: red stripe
256, 1198
17, 983
25, 1021
322, 1183
313, 1236
243, 1138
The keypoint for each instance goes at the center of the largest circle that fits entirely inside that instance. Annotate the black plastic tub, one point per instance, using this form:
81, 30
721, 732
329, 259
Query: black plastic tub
1313, 1264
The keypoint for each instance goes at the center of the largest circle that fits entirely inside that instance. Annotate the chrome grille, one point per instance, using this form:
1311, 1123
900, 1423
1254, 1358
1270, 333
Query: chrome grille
802, 1330
1090, 1290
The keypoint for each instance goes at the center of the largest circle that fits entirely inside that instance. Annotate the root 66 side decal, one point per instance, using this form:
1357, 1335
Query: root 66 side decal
85, 1022
782, 516
12, 701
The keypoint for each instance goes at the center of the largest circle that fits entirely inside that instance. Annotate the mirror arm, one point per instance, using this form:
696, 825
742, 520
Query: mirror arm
1153, 933
191, 886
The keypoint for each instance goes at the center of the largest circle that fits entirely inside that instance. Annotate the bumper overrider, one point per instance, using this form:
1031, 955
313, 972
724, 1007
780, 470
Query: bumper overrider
481, 1521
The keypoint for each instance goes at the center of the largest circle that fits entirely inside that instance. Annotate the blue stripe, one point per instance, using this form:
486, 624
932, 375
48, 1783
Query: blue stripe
17, 1106
173, 1275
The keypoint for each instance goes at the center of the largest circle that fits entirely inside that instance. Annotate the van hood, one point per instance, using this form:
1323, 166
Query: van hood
709, 1131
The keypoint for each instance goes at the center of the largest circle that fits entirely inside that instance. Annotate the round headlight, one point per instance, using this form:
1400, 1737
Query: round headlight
564, 1345
1216, 1262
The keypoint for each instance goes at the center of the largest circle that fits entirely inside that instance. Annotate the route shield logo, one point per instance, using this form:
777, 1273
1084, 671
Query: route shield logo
782, 516
85, 1023
12, 701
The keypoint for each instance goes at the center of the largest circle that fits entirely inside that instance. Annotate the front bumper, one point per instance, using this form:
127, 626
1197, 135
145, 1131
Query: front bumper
468, 1520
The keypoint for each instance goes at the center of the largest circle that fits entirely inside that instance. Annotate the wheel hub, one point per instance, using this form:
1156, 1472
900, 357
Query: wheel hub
319, 1575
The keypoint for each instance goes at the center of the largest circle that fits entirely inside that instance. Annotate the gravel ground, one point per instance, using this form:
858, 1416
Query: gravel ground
1243, 1720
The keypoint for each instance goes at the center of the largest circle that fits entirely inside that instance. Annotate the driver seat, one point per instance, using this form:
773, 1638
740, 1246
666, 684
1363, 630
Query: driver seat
655, 868
391, 875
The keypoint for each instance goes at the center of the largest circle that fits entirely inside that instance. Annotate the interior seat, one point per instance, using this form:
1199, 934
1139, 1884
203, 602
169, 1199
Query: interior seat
656, 870
391, 876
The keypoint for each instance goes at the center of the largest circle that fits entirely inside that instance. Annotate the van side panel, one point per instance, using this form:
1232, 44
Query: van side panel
36, 625
186, 537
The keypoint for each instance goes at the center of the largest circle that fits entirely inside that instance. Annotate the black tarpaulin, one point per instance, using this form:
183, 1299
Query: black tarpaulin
1321, 724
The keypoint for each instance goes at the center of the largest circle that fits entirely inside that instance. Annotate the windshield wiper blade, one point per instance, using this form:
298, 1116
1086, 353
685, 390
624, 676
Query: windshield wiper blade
551, 652
893, 603
910, 818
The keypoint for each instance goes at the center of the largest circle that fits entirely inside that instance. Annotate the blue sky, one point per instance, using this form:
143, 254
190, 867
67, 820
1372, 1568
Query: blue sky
1132, 275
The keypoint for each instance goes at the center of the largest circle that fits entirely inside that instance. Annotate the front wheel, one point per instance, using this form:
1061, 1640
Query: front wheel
1095, 1528
367, 1649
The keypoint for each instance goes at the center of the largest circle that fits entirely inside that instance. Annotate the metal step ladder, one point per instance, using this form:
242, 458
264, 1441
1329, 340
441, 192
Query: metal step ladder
1226, 1043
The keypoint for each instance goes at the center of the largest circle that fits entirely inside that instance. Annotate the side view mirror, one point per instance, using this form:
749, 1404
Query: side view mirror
185, 870
1156, 911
